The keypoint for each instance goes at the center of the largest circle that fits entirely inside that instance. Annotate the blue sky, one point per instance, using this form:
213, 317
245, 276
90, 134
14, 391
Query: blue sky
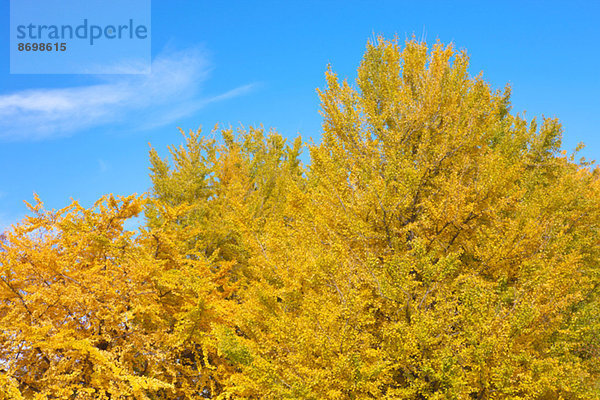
249, 63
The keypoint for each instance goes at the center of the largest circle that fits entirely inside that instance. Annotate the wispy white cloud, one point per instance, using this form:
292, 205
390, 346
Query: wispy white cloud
171, 114
172, 90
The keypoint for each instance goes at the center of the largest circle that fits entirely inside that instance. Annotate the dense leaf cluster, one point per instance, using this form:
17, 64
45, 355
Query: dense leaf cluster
436, 247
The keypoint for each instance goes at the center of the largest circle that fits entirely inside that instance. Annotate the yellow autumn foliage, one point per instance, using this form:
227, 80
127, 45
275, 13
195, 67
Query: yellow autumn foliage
437, 246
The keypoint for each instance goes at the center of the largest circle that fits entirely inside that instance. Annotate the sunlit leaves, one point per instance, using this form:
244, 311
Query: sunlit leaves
436, 247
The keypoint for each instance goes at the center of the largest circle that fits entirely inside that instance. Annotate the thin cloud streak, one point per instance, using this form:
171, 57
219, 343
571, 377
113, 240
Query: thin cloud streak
171, 91
187, 109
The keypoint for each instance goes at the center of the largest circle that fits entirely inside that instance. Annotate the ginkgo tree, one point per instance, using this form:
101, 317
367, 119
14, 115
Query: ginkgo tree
444, 248
437, 246
91, 310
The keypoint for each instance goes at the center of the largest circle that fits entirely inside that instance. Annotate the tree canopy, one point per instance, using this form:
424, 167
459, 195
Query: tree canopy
437, 246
